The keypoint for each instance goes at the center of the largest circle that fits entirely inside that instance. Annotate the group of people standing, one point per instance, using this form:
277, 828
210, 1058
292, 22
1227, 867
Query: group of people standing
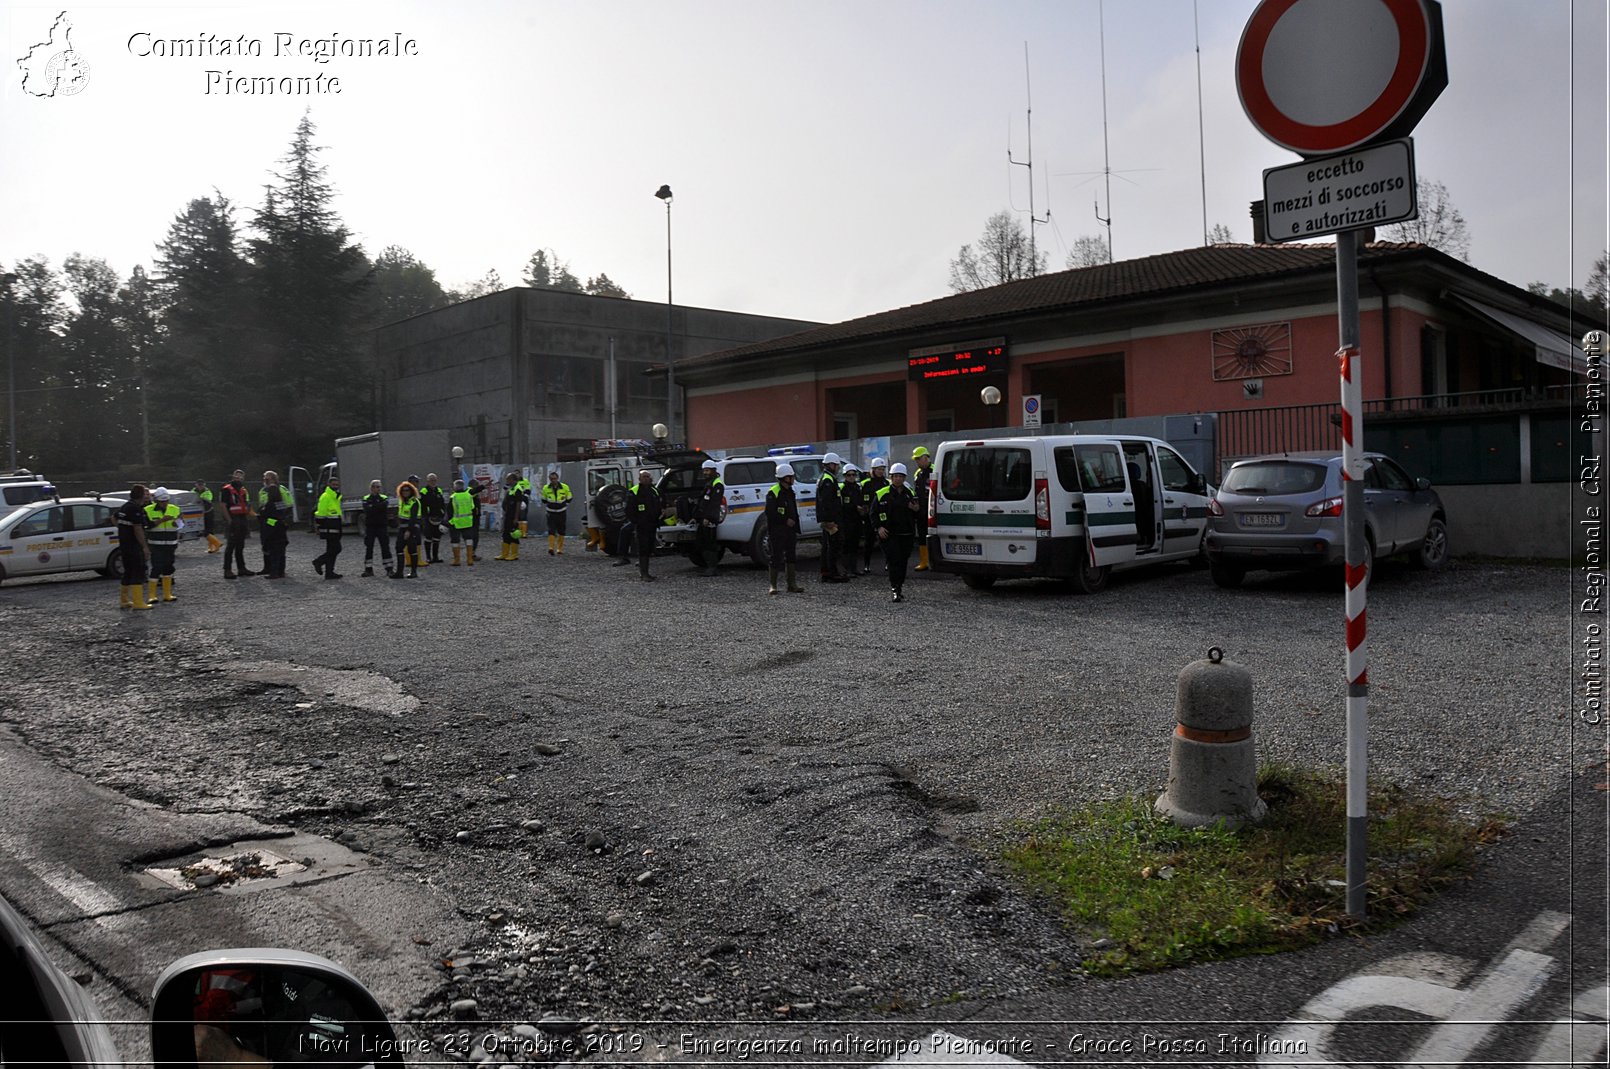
856, 515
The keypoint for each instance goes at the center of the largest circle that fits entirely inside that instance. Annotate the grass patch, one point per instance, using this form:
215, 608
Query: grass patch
1151, 895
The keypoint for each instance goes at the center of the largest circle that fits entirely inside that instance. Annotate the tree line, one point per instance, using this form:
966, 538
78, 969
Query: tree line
243, 345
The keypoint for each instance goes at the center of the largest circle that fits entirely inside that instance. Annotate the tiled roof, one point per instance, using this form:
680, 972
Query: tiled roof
1166, 273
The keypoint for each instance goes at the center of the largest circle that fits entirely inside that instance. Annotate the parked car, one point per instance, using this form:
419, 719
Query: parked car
1284, 512
75, 534
747, 479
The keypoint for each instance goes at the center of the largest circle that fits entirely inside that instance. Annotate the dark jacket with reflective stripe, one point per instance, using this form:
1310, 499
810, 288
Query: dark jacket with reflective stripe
781, 507
892, 509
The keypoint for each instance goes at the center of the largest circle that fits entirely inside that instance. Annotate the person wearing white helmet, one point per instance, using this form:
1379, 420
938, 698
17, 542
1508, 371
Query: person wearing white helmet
896, 511
870, 486
830, 514
853, 519
162, 536
782, 527
710, 508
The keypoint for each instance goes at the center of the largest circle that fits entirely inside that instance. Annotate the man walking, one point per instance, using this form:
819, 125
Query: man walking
709, 510
896, 511
513, 509
136, 555
273, 524
782, 528
238, 507
556, 501
327, 519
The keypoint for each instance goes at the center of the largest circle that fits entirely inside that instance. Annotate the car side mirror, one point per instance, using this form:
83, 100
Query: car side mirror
1198, 483
1422, 483
223, 1008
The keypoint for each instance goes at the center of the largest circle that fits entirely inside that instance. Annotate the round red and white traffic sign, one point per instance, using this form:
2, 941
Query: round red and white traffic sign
1325, 76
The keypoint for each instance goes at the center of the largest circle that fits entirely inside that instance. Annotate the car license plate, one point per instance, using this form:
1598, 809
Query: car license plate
964, 549
1262, 519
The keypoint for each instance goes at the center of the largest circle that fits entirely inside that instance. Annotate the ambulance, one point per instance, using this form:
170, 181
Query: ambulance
1072, 507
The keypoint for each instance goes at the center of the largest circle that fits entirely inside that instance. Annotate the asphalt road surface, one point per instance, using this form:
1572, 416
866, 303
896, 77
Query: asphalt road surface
597, 818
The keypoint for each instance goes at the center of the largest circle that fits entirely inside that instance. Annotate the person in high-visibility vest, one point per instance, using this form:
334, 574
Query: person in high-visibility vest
920, 486
524, 486
462, 508
410, 528
207, 520
327, 519
274, 524
514, 505
162, 535
894, 512
556, 499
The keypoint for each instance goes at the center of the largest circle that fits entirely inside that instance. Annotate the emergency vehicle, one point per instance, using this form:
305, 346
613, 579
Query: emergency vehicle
22, 487
606, 474
747, 479
1071, 507
74, 534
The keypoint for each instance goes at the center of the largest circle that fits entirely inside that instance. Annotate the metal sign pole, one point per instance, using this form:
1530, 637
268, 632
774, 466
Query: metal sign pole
1358, 658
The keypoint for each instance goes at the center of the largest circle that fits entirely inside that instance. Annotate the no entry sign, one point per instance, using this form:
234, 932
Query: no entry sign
1325, 76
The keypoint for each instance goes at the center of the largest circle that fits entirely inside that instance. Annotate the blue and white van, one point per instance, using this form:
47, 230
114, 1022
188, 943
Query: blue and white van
1070, 506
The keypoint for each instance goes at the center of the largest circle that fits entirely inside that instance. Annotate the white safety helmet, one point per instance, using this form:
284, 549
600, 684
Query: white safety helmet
784, 468
851, 467
710, 465
832, 458
898, 469
160, 493
878, 462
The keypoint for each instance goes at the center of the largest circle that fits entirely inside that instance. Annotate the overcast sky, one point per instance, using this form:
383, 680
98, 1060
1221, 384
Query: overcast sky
827, 158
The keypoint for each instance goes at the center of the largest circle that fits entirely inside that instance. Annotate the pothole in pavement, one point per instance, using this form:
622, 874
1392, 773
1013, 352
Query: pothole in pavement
245, 867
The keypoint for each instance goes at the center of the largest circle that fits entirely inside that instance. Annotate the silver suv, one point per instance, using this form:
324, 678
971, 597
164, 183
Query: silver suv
1284, 512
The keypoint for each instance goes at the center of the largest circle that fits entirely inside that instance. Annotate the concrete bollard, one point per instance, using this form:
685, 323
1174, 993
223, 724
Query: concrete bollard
1213, 766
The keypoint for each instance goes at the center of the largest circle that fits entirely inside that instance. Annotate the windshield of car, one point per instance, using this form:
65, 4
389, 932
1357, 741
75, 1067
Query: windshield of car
23, 493
1275, 478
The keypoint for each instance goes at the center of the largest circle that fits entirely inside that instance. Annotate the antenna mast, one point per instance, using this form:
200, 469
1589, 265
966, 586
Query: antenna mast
1106, 159
1201, 137
1034, 220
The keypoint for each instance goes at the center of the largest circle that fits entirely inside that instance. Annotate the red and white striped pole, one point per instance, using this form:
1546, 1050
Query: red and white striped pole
1354, 471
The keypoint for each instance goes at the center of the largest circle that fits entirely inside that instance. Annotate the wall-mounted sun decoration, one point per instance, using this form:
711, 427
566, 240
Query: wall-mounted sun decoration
1252, 352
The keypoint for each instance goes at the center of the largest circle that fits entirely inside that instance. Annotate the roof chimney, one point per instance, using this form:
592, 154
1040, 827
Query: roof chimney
1259, 236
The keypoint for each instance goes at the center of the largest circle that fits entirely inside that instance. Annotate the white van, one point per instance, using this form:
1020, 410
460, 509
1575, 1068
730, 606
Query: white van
1066, 506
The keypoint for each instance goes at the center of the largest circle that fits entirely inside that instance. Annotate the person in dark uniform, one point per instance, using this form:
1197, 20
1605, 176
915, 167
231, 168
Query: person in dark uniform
920, 483
273, 524
782, 528
709, 510
410, 529
853, 518
644, 510
376, 514
830, 514
238, 507
514, 506
869, 494
131, 548
434, 500
896, 510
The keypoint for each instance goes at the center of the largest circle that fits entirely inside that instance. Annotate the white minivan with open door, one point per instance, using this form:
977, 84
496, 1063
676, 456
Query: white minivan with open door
1069, 506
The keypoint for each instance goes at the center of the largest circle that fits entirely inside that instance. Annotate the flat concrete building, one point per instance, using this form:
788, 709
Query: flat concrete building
524, 375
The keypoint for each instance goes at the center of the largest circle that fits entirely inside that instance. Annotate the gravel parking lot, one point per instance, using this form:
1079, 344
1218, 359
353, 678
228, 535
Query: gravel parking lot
689, 799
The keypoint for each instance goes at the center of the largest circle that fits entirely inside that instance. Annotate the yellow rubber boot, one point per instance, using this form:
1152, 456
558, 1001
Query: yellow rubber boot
524, 528
503, 552
124, 600
469, 555
213, 545
514, 550
458, 553
558, 545
922, 559
151, 591
137, 591
167, 588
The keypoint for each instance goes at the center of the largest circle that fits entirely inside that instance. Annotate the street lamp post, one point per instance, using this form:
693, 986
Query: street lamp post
8, 280
664, 193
